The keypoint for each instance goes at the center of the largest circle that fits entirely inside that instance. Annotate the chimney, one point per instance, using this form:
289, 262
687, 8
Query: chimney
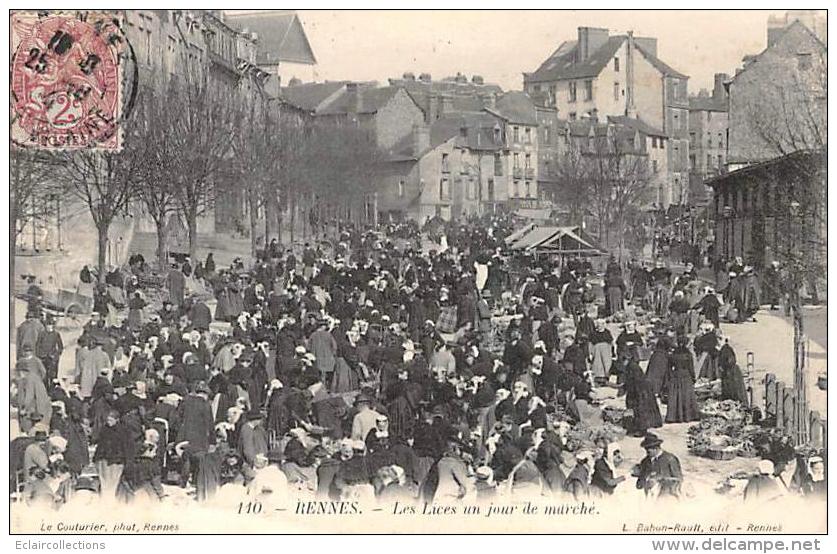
425, 78
409, 76
477, 80
649, 44
421, 139
353, 102
630, 107
460, 78
590, 39
719, 92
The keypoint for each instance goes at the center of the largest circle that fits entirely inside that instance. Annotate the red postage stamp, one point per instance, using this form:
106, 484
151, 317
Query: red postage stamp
66, 80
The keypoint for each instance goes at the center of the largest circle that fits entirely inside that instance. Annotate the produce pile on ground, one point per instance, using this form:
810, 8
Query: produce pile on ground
725, 431
582, 436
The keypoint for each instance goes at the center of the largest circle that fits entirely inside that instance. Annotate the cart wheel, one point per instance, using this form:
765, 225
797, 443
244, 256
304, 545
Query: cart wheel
72, 316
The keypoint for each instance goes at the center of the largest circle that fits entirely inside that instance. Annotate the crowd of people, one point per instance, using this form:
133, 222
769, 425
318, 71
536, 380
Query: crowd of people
370, 368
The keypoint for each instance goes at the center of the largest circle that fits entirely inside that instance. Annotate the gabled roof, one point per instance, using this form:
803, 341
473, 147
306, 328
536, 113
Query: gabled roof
636, 124
796, 26
660, 65
369, 101
465, 96
310, 96
281, 36
480, 131
562, 64
516, 107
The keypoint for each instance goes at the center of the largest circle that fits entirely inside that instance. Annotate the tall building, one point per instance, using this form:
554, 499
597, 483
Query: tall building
619, 75
770, 204
708, 128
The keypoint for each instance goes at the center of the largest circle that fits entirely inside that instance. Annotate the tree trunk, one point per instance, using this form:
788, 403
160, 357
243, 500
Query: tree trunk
162, 247
269, 216
254, 223
293, 218
192, 222
102, 231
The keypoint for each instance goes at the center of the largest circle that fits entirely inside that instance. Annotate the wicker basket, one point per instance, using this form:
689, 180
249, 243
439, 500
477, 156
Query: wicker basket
722, 453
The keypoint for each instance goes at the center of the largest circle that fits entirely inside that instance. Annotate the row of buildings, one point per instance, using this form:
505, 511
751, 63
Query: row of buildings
460, 146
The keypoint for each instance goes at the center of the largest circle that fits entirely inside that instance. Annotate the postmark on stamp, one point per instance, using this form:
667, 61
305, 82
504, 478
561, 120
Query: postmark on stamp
67, 80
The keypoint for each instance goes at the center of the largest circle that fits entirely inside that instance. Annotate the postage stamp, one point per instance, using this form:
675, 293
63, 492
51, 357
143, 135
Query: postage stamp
66, 80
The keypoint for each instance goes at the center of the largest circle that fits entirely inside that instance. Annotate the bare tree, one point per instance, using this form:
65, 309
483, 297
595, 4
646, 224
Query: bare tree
106, 182
32, 185
199, 129
160, 164
619, 179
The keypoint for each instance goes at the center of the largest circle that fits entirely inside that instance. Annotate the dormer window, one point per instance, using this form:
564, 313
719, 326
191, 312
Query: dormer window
803, 60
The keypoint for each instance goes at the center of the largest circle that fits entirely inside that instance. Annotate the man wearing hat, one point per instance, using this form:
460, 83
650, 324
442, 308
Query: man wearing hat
49, 348
365, 419
658, 469
323, 346
27, 359
28, 332
252, 440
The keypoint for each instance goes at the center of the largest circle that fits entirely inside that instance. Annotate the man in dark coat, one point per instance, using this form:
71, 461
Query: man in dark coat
49, 348
659, 468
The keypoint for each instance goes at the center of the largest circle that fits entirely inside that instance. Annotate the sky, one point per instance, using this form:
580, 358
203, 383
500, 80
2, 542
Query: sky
501, 45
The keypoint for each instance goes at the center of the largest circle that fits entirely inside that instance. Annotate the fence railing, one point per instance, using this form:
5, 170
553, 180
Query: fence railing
789, 407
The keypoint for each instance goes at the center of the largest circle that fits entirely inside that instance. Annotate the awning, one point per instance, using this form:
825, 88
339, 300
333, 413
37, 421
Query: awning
519, 233
540, 214
538, 236
570, 240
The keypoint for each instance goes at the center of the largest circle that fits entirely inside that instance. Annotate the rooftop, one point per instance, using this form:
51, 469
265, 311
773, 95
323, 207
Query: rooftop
280, 35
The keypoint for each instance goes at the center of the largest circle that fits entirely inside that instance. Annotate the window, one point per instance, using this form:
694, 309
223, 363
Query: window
463, 132
720, 161
445, 168
516, 160
528, 189
527, 135
516, 134
498, 134
616, 64
708, 116
720, 140
573, 116
401, 188
471, 189
662, 144
616, 90
537, 88
804, 60
491, 190
498, 164
516, 189
588, 90
528, 161
546, 132
573, 91
444, 189
709, 160
709, 141
653, 142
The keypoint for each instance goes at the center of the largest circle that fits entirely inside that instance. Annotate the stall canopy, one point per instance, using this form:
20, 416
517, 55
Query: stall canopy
514, 237
557, 240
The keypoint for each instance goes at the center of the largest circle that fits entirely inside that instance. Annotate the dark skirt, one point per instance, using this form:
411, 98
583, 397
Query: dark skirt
682, 403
